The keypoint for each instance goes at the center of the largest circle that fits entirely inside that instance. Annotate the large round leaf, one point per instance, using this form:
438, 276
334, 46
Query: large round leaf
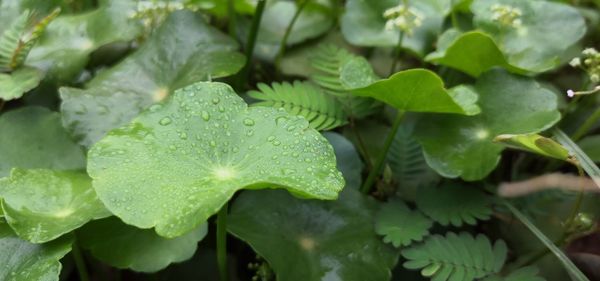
125, 246
41, 205
363, 23
185, 49
32, 137
313, 241
462, 146
533, 44
24, 261
177, 164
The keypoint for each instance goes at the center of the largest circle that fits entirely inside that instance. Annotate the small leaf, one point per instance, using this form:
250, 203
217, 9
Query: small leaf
124, 246
19, 82
348, 159
310, 240
537, 144
24, 261
417, 90
399, 225
32, 137
184, 50
456, 257
41, 205
454, 204
462, 146
322, 111
176, 164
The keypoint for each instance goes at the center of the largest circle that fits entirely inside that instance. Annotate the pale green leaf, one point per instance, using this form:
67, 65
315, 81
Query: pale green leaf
19, 82
537, 144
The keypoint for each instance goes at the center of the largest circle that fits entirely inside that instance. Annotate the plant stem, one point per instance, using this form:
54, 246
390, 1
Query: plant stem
587, 125
362, 148
79, 262
231, 15
251, 40
222, 243
1, 104
397, 52
288, 31
366, 188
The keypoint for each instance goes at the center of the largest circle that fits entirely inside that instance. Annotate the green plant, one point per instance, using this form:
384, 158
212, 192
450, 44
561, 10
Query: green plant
311, 140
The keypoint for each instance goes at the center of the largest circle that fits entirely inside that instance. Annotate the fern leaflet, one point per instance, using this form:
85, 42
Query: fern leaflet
454, 204
528, 273
301, 98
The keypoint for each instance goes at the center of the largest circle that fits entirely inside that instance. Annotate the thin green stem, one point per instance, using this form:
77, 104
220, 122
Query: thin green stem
222, 243
251, 40
79, 262
231, 18
2, 102
288, 31
587, 125
366, 188
362, 148
397, 52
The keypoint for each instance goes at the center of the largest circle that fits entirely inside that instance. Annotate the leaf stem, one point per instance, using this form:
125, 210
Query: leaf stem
397, 52
288, 31
231, 15
222, 243
79, 262
251, 40
362, 148
587, 125
366, 188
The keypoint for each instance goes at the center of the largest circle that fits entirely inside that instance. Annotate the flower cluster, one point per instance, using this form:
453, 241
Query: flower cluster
507, 15
403, 18
152, 13
590, 62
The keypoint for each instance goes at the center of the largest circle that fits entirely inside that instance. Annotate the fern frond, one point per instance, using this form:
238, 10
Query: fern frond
528, 273
454, 204
20, 37
399, 225
301, 98
329, 62
456, 257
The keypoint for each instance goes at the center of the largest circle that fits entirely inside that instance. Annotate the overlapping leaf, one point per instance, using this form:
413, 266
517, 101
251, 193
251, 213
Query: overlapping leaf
19, 82
399, 225
348, 159
537, 144
454, 204
176, 164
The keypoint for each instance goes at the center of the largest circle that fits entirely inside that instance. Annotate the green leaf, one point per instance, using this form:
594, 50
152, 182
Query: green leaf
533, 44
64, 49
185, 49
456, 257
509, 105
454, 204
585, 162
41, 205
19, 82
399, 225
124, 246
310, 240
537, 144
176, 164
322, 111
473, 53
417, 90
528, 273
348, 159
363, 24
32, 137
24, 261
591, 146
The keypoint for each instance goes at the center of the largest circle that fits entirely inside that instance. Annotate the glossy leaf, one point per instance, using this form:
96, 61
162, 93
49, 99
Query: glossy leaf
537, 144
68, 41
23, 261
454, 204
19, 82
41, 205
418, 90
363, 24
176, 164
32, 137
348, 159
462, 146
399, 225
540, 21
185, 49
313, 241
124, 246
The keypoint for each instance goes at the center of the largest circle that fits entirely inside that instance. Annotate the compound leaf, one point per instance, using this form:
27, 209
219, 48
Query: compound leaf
454, 204
528, 273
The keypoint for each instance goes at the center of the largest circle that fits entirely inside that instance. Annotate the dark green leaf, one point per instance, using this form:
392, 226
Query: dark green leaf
454, 204
399, 225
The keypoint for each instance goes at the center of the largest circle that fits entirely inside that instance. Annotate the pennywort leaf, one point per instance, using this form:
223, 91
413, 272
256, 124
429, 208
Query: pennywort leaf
399, 225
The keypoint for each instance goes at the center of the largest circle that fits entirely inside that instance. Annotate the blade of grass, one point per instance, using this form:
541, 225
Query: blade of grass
586, 163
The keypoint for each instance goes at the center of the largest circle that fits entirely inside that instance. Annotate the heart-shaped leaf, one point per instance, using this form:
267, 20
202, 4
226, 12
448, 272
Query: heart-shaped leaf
32, 137
419, 90
462, 146
125, 246
176, 164
399, 225
313, 241
23, 261
41, 205
363, 23
19, 82
185, 49
519, 27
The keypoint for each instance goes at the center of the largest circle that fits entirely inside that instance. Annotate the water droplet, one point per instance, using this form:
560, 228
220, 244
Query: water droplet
183, 136
248, 122
276, 143
205, 115
165, 121
212, 143
216, 101
271, 138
